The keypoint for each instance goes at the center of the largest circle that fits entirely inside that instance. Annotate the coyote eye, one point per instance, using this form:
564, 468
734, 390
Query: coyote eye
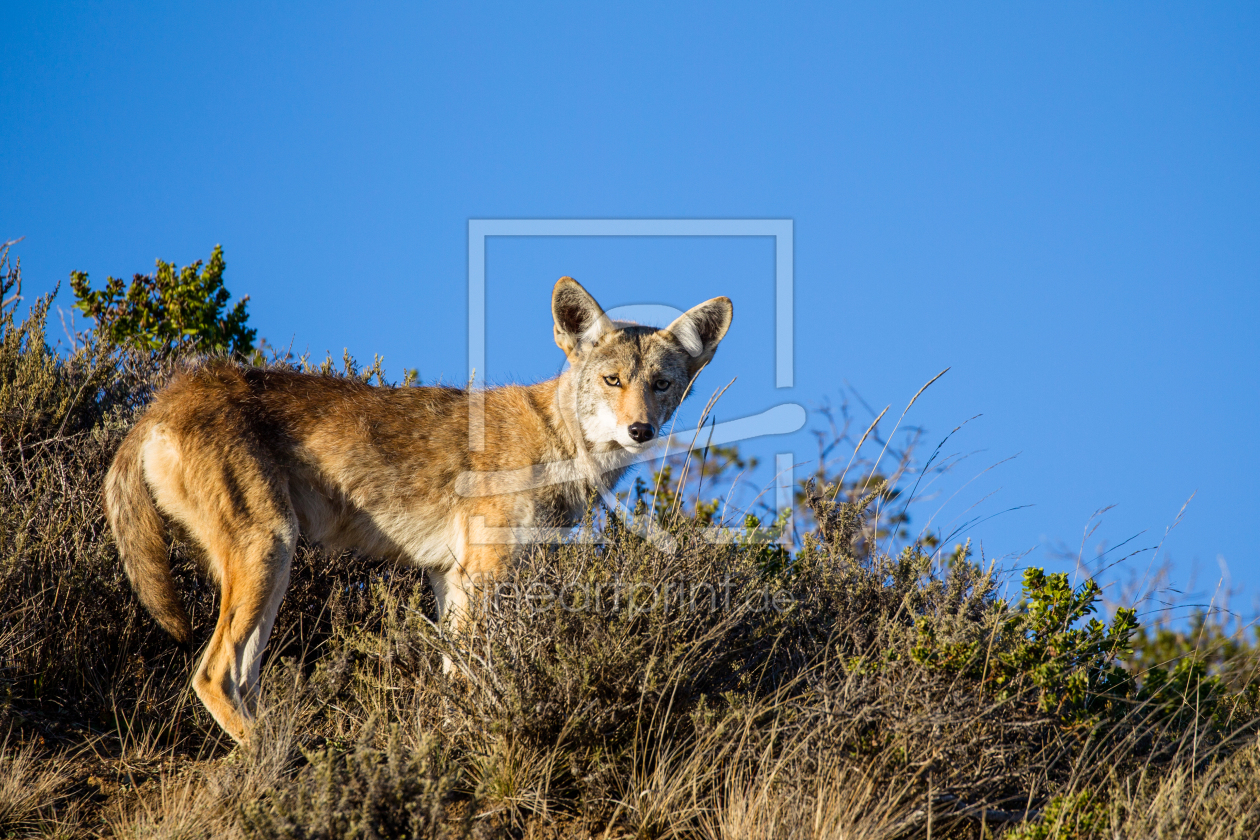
613, 380
662, 384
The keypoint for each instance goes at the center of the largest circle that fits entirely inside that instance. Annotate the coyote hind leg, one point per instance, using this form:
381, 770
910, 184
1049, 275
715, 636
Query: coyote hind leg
254, 570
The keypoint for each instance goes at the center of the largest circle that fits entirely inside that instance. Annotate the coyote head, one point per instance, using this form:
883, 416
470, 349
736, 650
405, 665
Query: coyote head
628, 379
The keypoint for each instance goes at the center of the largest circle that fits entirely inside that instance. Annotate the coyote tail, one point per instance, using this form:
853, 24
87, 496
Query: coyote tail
141, 536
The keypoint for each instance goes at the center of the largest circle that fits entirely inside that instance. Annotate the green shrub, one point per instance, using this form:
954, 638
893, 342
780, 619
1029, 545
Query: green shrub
1067, 817
1075, 669
1206, 639
171, 308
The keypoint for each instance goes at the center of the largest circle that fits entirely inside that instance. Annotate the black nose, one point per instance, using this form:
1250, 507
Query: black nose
641, 432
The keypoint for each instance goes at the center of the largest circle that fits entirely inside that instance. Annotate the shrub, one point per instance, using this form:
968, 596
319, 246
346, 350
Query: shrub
1076, 670
393, 792
171, 308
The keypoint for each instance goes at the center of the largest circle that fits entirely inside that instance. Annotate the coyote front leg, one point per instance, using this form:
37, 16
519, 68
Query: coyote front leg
475, 566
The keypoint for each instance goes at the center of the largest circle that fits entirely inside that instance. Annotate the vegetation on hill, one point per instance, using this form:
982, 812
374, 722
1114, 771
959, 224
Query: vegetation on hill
732, 689
171, 309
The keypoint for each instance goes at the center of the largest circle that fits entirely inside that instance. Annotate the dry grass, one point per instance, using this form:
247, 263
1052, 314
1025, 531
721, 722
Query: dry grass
31, 788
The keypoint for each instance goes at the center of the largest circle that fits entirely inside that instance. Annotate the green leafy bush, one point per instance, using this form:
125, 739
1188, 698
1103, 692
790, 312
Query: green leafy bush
1222, 651
1067, 817
171, 308
1076, 670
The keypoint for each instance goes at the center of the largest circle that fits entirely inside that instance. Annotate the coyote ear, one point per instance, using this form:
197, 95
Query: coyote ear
700, 328
578, 317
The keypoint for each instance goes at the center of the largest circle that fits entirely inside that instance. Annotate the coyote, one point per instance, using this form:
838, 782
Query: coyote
243, 459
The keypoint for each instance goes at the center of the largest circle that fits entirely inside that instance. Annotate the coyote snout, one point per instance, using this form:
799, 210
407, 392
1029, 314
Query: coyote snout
641, 432
245, 459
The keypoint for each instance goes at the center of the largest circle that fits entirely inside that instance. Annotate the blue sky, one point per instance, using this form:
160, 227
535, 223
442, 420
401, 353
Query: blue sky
1061, 204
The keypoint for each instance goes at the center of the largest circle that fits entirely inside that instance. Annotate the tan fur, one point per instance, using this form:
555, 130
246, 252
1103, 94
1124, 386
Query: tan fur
244, 459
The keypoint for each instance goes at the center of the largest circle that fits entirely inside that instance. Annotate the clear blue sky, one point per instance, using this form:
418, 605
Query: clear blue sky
1061, 203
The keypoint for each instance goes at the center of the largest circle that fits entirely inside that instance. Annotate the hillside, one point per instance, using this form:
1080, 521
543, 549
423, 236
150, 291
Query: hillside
611, 690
